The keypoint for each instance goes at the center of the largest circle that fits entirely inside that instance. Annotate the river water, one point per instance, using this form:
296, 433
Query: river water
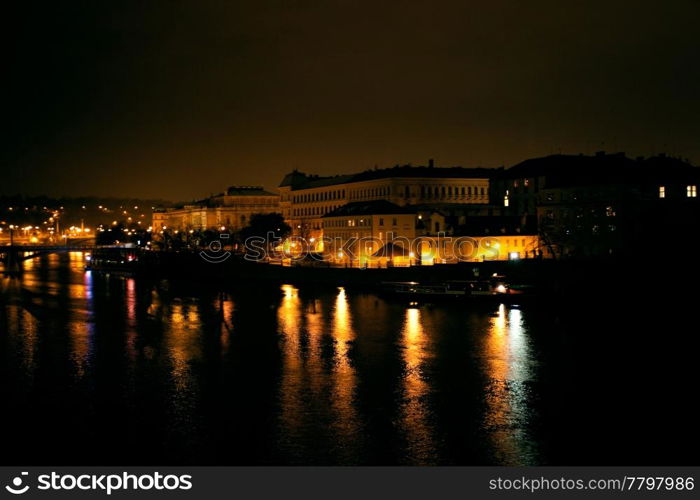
105, 369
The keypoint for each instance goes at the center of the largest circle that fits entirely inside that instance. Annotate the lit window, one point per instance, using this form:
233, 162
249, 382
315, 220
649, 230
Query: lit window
662, 191
692, 191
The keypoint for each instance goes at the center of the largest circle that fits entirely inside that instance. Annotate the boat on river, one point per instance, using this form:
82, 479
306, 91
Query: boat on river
496, 287
114, 259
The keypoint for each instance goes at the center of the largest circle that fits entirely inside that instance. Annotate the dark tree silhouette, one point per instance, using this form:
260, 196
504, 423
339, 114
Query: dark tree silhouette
264, 225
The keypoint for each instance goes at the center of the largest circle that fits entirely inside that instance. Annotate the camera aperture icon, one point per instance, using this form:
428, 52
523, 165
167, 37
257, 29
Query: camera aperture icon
16, 488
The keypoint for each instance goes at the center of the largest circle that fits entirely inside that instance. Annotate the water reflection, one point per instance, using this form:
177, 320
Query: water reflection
318, 380
415, 427
22, 329
328, 376
344, 381
509, 370
82, 326
226, 310
291, 391
183, 345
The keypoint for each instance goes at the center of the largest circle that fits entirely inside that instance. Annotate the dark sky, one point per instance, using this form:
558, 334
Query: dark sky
177, 99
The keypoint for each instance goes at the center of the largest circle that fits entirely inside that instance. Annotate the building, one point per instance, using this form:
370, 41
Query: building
229, 211
476, 248
382, 234
305, 199
606, 204
366, 234
519, 189
482, 239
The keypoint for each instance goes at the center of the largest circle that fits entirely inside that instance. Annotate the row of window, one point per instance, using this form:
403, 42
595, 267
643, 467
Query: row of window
521, 186
436, 192
580, 213
691, 191
338, 194
359, 194
356, 222
516, 242
428, 192
228, 220
310, 211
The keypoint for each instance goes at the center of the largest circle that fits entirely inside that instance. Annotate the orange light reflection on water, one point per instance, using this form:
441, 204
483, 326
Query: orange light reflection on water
508, 369
415, 427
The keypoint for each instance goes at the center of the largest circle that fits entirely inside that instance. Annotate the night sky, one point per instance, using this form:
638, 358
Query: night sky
178, 99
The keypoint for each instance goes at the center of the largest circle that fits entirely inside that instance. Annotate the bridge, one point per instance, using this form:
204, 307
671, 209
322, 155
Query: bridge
12, 255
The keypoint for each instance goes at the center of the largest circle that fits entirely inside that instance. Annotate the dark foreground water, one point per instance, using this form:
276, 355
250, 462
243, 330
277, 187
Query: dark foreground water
99, 369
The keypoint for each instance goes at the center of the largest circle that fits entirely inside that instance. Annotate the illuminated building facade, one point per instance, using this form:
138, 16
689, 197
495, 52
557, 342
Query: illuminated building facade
305, 199
382, 234
482, 239
358, 233
477, 248
229, 211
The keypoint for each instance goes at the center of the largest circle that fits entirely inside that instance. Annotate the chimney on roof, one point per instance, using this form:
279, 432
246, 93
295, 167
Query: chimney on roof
431, 163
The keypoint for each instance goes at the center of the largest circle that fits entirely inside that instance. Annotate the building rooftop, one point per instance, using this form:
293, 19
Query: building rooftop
248, 191
299, 180
377, 207
602, 168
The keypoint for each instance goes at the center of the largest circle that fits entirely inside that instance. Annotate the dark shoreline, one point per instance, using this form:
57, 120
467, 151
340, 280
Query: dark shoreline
619, 278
